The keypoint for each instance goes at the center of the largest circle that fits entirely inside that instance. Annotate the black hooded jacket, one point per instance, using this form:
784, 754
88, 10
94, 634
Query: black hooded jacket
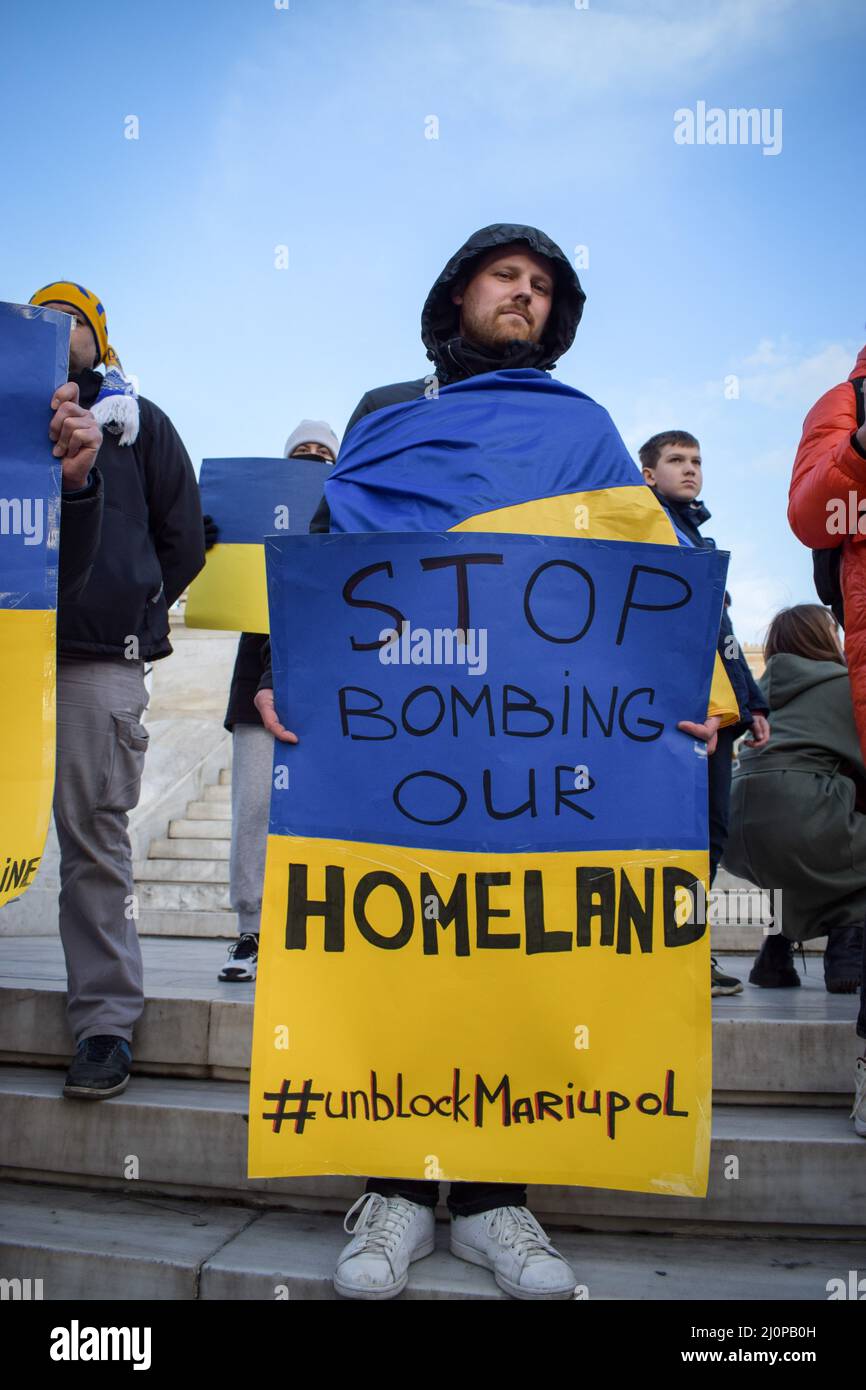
453, 358
152, 541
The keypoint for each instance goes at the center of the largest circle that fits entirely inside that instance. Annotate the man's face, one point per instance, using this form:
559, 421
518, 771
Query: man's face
509, 296
82, 344
312, 450
677, 474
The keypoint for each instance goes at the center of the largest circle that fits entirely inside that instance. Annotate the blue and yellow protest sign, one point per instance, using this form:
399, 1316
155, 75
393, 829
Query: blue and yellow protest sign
479, 958
34, 353
248, 498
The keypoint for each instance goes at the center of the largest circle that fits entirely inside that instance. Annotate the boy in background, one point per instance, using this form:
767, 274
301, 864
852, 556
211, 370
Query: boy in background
671, 465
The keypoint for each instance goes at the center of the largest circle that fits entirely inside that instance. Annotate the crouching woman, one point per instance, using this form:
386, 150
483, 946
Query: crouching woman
797, 805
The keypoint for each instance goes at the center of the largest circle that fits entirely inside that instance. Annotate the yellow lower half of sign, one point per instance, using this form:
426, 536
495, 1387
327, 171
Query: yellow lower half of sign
27, 739
486, 1017
231, 592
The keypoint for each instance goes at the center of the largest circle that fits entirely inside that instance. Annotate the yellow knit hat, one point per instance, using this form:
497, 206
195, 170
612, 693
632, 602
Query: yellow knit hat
83, 302
116, 406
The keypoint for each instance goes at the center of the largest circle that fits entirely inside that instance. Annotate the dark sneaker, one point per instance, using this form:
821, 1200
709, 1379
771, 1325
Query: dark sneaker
100, 1068
722, 983
243, 959
843, 960
774, 964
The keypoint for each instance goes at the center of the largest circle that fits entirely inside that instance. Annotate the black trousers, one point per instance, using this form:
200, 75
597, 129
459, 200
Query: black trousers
720, 768
861, 1017
464, 1199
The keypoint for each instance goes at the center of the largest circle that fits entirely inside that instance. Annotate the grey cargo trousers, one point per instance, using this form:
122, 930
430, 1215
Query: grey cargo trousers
101, 744
252, 760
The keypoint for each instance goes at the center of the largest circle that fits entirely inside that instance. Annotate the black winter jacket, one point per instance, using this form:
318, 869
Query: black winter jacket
152, 541
688, 516
80, 529
250, 662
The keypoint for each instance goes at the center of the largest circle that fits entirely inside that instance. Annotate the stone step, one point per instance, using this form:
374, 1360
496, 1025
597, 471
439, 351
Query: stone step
219, 792
737, 911
209, 810
181, 870
190, 926
225, 777
190, 849
769, 1046
182, 897
200, 830
799, 1170
87, 1245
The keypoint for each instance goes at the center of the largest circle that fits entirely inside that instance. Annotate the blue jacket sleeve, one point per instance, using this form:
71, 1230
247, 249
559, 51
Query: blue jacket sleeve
733, 664
746, 690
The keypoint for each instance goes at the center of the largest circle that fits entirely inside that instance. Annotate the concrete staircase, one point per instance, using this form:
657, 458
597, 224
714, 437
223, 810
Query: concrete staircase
149, 1190
183, 884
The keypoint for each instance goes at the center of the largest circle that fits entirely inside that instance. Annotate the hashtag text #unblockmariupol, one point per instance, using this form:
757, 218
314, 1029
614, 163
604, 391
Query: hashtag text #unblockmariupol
484, 1100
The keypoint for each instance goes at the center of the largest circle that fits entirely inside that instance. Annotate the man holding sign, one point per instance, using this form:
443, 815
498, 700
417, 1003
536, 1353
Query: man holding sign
502, 312
151, 546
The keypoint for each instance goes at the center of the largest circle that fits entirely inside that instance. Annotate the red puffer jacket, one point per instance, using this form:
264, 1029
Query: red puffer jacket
829, 482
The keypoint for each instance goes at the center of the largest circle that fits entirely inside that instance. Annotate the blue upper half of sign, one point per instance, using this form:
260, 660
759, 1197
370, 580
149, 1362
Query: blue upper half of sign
34, 355
253, 498
492, 441
549, 724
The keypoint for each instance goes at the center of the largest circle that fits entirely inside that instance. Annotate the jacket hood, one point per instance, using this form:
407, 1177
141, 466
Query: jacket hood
859, 365
787, 676
440, 318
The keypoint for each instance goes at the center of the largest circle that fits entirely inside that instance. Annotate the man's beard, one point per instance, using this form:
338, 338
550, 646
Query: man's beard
494, 332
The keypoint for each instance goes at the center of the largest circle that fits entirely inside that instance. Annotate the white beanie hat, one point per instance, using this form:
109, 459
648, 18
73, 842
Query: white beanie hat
312, 432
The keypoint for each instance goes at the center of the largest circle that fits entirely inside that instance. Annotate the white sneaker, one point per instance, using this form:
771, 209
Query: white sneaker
858, 1114
242, 960
510, 1241
388, 1235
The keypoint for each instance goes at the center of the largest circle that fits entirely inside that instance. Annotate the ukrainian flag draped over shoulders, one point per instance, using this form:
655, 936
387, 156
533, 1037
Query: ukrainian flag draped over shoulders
509, 451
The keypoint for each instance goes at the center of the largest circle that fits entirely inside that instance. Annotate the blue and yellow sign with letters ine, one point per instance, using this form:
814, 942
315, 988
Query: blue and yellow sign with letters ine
34, 353
483, 955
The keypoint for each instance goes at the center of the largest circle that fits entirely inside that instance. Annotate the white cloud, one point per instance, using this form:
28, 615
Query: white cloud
593, 48
794, 383
788, 380
765, 355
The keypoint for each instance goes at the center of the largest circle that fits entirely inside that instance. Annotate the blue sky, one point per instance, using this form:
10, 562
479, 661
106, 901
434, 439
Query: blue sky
305, 126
